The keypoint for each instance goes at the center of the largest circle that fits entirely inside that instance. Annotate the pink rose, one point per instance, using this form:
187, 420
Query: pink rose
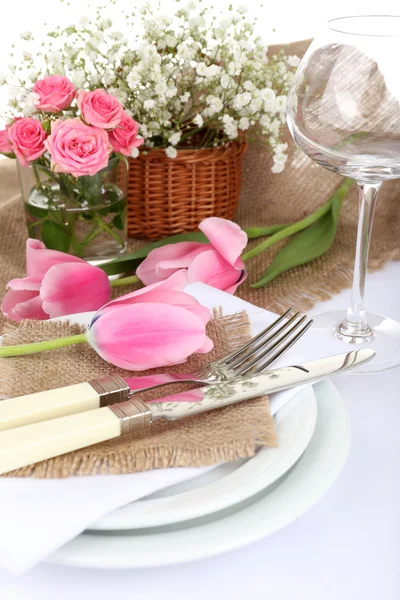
56, 284
124, 137
5, 146
100, 109
77, 148
218, 263
27, 138
54, 93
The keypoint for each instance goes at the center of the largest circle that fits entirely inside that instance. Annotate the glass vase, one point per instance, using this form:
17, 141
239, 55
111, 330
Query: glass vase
84, 216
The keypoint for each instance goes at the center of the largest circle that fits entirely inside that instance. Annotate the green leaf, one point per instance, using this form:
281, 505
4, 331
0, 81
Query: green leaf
118, 222
129, 262
36, 211
307, 245
55, 236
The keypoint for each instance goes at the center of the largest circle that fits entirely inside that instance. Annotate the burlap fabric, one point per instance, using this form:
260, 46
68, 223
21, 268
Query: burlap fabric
223, 435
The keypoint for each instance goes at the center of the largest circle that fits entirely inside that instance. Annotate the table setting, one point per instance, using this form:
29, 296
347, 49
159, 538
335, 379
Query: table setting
177, 212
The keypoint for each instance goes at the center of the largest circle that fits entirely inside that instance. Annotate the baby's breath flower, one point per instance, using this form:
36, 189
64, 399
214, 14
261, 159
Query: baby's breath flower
171, 152
198, 120
174, 138
194, 66
135, 152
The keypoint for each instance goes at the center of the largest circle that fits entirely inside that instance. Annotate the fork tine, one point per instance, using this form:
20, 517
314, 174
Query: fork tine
262, 344
227, 359
257, 366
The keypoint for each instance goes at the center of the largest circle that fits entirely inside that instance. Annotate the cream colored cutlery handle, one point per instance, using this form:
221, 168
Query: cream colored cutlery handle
50, 404
33, 443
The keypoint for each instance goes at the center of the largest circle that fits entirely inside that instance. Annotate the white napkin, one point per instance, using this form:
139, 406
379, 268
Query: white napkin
39, 516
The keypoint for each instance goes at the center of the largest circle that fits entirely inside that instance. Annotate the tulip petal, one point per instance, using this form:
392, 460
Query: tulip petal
226, 237
157, 292
163, 262
74, 287
39, 259
26, 283
211, 268
146, 335
23, 304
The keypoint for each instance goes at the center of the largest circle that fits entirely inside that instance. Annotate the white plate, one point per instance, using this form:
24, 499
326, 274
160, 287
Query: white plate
260, 516
228, 484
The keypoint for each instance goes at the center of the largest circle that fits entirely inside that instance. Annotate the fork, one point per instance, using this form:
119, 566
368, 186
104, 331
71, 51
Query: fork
253, 357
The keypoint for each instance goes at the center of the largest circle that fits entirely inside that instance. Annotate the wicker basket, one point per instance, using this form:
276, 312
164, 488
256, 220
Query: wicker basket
168, 196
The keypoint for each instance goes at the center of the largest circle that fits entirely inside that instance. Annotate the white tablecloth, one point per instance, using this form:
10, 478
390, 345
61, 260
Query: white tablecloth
346, 548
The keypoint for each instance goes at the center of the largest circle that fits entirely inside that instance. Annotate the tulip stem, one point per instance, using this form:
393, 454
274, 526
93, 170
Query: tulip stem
42, 346
124, 281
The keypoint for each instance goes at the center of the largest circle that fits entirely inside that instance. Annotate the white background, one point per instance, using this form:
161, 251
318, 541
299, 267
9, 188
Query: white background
348, 546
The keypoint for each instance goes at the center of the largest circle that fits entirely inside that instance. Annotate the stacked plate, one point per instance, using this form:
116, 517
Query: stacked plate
233, 504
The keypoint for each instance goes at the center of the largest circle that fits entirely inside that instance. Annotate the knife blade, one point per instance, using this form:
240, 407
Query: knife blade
30, 444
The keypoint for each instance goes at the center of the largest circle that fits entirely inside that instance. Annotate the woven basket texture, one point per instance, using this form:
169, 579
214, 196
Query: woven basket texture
167, 196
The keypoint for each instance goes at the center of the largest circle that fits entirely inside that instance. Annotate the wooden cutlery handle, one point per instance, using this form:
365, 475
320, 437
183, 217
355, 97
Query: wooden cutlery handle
33, 443
50, 404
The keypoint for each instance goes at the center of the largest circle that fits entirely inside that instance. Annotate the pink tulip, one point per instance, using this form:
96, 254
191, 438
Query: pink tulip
218, 264
56, 284
139, 383
159, 325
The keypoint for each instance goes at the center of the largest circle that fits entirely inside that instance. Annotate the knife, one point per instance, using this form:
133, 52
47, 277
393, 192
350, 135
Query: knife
40, 441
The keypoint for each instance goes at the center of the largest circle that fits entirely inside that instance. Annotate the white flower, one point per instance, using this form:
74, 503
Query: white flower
244, 123
198, 120
293, 61
105, 24
248, 85
269, 98
191, 5
195, 22
78, 78
26, 35
241, 100
242, 9
160, 88
255, 105
230, 127
172, 91
84, 21
30, 100
143, 130
119, 93
225, 81
149, 104
2, 80
281, 102
133, 78
116, 35
185, 97
215, 105
171, 152
135, 152
161, 44
174, 138
170, 40
225, 23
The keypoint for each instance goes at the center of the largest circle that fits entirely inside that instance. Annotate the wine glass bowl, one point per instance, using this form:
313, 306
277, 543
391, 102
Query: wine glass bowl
344, 113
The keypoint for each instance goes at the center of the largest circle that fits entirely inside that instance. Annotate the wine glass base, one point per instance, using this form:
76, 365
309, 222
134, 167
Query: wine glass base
384, 338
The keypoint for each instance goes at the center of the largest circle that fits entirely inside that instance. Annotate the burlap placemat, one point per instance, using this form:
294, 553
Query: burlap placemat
265, 199
218, 436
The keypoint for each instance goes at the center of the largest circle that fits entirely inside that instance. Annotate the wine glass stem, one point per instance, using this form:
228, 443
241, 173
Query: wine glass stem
356, 323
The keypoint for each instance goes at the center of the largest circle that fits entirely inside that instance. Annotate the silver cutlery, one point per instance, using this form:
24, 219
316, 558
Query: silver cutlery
27, 445
253, 357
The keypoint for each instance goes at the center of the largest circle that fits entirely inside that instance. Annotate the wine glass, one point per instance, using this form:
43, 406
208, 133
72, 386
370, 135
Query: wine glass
344, 113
